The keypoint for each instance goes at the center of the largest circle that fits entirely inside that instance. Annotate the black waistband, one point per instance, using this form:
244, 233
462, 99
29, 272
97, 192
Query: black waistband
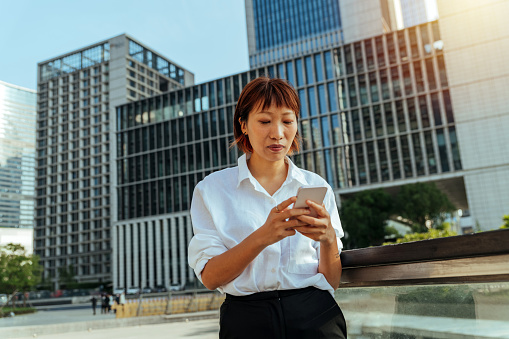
269, 294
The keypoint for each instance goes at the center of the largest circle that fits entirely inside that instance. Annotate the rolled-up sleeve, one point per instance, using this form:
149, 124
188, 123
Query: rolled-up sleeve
206, 242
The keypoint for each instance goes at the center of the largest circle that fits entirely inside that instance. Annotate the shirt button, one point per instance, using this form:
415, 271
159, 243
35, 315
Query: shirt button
273, 270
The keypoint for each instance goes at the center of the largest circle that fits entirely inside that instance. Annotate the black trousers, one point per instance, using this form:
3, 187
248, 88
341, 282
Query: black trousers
292, 314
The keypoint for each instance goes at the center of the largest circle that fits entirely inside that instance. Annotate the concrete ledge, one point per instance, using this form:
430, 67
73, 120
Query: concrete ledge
25, 331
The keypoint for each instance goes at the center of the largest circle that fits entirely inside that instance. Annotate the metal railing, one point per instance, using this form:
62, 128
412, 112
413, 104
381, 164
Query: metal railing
169, 303
455, 287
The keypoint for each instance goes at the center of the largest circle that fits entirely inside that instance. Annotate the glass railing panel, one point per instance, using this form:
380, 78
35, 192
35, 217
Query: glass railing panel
479, 310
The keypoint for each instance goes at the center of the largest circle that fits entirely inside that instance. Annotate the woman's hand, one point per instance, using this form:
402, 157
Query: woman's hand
320, 228
227, 266
281, 222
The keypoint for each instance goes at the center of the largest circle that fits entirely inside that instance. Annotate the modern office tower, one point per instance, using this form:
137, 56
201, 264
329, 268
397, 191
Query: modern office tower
415, 12
477, 49
17, 156
279, 29
77, 95
365, 19
375, 113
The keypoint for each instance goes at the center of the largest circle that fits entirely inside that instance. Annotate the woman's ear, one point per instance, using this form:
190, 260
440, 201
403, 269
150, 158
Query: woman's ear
243, 127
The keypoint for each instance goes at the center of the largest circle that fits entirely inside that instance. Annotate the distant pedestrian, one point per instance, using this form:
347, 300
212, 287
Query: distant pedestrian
111, 301
105, 303
122, 298
94, 303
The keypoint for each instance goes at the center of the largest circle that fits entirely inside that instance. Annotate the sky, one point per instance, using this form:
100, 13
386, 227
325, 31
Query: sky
207, 37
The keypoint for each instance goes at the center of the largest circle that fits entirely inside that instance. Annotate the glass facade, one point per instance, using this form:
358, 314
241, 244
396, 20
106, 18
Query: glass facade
17, 156
365, 120
281, 30
74, 62
156, 62
279, 22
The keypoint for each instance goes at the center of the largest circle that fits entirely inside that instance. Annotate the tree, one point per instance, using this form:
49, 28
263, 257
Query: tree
67, 277
19, 271
364, 217
505, 218
422, 202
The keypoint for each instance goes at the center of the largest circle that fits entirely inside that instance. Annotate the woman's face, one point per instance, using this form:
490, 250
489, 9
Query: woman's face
271, 131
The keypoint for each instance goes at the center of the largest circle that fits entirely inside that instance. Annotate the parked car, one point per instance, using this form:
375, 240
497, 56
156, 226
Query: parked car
160, 289
146, 289
3, 299
118, 290
176, 287
133, 290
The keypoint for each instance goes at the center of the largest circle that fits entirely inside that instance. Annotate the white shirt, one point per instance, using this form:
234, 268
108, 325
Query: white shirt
229, 205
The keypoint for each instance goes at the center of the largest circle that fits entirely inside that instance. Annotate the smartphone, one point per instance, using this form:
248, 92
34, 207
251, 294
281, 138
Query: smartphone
313, 193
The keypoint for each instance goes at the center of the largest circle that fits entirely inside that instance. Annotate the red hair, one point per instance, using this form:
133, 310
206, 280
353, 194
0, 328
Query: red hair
264, 92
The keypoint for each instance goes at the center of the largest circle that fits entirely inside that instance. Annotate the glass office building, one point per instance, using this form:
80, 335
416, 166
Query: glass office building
76, 93
280, 22
282, 29
375, 113
17, 156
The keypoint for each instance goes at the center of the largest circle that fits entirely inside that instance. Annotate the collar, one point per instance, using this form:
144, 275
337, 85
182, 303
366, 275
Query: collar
294, 173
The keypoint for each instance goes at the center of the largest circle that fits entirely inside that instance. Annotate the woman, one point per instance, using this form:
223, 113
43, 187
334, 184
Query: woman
278, 266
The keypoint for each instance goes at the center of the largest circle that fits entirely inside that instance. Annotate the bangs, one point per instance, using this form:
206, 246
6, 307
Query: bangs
279, 94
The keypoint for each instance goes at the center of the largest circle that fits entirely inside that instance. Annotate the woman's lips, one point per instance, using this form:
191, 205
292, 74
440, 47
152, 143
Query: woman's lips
276, 148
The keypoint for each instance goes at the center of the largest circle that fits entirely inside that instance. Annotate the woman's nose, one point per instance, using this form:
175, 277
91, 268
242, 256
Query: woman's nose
277, 132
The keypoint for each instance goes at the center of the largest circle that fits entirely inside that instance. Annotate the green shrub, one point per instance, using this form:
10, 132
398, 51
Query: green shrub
505, 218
4, 312
431, 234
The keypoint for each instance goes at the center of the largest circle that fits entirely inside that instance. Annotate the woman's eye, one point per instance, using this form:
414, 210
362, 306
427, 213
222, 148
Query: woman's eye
289, 122
264, 122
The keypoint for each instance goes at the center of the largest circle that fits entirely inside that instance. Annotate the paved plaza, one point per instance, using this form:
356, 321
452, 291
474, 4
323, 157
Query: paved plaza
202, 329
58, 315
79, 323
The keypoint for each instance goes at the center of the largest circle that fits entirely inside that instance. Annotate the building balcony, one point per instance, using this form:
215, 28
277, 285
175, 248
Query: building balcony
456, 287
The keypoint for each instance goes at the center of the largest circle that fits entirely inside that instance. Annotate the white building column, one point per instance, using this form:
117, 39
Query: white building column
121, 254
182, 250
114, 256
190, 272
127, 254
136, 255
166, 253
159, 265
143, 248
150, 247
173, 244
